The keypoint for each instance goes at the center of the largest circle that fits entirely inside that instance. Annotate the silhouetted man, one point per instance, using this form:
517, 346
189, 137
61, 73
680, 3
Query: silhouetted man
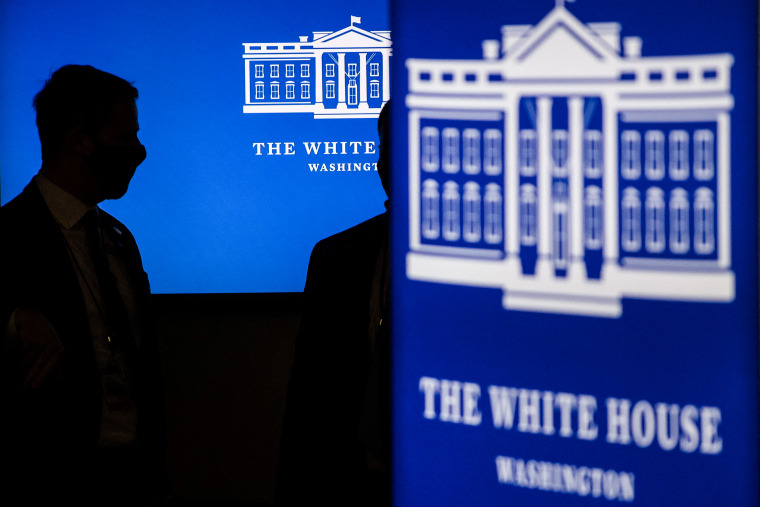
81, 391
335, 445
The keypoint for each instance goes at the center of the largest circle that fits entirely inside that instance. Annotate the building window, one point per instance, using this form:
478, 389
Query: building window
330, 90
304, 70
429, 149
655, 220
559, 153
471, 149
374, 69
274, 91
593, 218
450, 211
679, 221
274, 70
492, 149
492, 228
352, 92
352, 70
305, 91
528, 152
450, 150
430, 220
290, 91
259, 70
679, 154
559, 216
528, 214
630, 154
704, 221
290, 70
471, 212
330, 70
631, 220
654, 161
704, 150
592, 153
374, 90
259, 91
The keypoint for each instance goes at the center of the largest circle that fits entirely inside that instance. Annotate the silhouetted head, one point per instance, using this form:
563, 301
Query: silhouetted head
77, 95
90, 116
384, 160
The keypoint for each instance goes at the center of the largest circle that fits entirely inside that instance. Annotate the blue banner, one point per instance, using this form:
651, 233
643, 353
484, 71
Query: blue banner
575, 251
259, 120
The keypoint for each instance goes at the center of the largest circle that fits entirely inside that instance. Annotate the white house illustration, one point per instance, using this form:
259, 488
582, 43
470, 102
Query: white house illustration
342, 74
571, 171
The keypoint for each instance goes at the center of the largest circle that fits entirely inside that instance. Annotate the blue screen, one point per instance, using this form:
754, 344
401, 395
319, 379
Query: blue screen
247, 167
534, 269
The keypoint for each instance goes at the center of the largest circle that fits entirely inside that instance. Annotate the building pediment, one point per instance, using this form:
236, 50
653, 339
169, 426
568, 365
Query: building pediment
560, 46
351, 36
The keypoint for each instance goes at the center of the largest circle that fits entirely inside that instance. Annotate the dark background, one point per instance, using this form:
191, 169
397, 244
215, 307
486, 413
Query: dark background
226, 361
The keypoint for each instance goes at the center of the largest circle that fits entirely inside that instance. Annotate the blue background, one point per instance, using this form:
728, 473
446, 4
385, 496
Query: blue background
209, 216
702, 354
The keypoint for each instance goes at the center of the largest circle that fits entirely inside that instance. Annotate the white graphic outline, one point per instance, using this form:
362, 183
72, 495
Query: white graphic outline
352, 61
616, 170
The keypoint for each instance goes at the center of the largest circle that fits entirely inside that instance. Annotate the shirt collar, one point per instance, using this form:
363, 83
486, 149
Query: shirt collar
66, 209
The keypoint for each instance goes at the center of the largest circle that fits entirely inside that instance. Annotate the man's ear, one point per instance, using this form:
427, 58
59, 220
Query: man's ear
80, 141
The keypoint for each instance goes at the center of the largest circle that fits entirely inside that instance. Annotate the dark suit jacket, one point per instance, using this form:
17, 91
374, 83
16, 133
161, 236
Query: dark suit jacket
52, 432
322, 455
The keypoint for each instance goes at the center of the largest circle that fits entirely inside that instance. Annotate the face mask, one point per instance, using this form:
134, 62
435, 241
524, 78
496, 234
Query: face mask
114, 167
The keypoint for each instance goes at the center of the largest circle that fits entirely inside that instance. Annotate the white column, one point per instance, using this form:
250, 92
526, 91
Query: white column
544, 265
361, 81
415, 185
610, 194
577, 268
341, 81
512, 183
386, 75
248, 82
723, 200
318, 80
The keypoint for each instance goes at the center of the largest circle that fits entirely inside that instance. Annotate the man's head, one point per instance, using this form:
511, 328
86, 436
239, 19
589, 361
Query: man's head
91, 113
384, 160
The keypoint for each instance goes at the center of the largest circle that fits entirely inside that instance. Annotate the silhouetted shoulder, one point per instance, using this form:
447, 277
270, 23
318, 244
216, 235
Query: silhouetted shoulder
365, 236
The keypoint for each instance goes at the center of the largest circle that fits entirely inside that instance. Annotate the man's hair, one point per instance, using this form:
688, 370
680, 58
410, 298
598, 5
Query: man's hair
76, 95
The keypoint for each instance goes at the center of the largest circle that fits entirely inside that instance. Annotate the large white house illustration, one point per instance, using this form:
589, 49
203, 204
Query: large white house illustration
572, 171
341, 74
